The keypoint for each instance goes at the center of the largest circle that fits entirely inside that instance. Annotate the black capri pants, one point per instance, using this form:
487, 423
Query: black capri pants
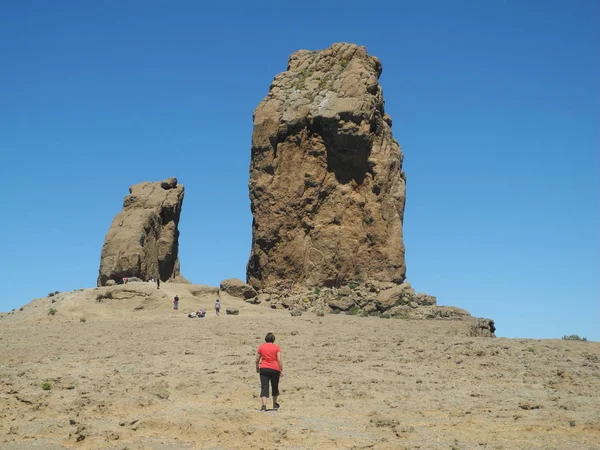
265, 376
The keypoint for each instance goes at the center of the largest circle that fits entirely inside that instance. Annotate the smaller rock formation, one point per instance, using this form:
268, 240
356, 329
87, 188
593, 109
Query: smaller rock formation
143, 239
237, 288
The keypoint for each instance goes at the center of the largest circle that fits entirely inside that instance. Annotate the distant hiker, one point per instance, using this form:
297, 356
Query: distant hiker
218, 306
176, 302
158, 283
269, 364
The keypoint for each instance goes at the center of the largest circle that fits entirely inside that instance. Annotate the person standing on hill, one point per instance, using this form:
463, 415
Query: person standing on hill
176, 302
218, 306
269, 364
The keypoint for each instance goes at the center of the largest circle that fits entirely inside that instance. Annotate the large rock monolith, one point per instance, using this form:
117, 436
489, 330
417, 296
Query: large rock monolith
327, 188
143, 239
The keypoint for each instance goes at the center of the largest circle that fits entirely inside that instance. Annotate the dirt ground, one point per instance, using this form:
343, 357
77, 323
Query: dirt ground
129, 372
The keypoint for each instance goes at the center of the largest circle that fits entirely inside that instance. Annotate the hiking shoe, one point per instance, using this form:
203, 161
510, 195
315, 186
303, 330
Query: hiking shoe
275, 405
263, 408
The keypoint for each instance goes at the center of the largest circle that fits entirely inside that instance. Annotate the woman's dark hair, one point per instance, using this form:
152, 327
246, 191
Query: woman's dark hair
270, 337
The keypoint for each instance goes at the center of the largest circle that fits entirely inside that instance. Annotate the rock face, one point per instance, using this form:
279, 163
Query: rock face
143, 239
327, 188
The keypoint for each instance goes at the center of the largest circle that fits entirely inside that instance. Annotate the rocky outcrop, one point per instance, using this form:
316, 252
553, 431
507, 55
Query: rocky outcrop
143, 239
327, 188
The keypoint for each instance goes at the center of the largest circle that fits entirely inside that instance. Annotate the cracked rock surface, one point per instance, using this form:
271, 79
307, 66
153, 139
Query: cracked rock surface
143, 239
327, 188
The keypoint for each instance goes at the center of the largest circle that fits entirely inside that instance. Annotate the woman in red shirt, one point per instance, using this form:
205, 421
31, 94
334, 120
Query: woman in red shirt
269, 365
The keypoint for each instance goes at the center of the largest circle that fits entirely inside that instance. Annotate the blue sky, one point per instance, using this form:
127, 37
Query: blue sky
496, 106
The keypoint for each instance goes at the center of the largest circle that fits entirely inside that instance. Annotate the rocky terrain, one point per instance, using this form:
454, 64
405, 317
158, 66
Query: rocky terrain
327, 188
118, 368
143, 239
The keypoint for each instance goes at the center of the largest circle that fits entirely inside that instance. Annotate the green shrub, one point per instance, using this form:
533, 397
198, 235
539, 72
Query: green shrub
52, 312
83, 319
354, 310
353, 284
317, 290
46, 386
385, 316
574, 337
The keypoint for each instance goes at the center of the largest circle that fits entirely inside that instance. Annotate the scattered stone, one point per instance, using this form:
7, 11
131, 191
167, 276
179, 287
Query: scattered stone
528, 406
295, 313
232, 311
341, 303
401, 294
266, 298
110, 283
425, 300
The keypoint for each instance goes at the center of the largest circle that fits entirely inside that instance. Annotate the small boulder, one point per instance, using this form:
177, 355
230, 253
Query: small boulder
344, 291
237, 288
110, 283
253, 300
400, 294
264, 298
169, 183
425, 300
296, 313
341, 303
232, 311
483, 328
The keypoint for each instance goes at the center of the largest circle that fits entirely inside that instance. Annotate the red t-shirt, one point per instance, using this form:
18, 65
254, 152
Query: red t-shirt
268, 352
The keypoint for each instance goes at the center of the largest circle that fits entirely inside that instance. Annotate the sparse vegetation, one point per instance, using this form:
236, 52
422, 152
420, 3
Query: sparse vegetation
101, 297
343, 62
317, 290
83, 319
336, 311
52, 312
385, 315
529, 349
574, 337
368, 220
354, 310
353, 284
52, 294
46, 386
